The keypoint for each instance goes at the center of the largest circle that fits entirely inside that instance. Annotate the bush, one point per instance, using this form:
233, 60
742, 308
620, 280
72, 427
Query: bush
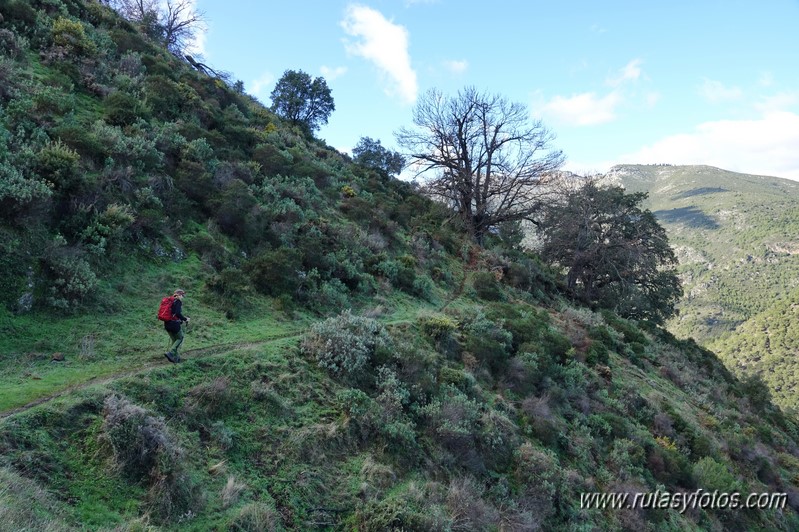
12, 45
122, 109
71, 36
212, 399
70, 279
275, 272
58, 165
345, 344
256, 517
142, 446
597, 354
487, 287
16, 191
408, 507
452, 419
467, 508
488, 341
712, 475
442, 330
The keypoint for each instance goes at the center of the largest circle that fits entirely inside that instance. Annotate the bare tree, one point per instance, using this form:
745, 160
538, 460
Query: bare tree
481, 154
174, 23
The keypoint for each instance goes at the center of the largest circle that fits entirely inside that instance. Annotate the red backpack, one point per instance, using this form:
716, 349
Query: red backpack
165, 310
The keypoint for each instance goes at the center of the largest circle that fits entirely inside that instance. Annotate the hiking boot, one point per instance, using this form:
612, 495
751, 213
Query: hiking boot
169, 357
178, 359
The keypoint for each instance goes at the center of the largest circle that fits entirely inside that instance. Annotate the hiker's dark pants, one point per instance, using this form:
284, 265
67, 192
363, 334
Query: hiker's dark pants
176, 335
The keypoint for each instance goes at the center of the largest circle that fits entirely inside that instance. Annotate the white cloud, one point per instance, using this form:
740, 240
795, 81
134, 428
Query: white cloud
586, 109
259, 86
386, 45
630, 72
715, 91
332, 73
766, 146
456, 67
590, 108
777, 102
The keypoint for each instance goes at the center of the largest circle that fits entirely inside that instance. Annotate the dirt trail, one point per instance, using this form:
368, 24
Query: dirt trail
210, 351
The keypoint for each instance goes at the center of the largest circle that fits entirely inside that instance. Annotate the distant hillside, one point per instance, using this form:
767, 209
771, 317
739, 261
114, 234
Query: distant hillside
737, 239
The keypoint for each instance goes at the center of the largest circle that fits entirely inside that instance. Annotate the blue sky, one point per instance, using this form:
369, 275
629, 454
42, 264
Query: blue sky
681, 82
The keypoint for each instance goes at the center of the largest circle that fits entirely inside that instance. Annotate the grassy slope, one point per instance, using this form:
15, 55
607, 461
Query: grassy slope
735, 236
266, 435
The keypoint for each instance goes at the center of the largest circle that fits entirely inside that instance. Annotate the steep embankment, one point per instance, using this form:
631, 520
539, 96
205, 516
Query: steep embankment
497, 412
736, 238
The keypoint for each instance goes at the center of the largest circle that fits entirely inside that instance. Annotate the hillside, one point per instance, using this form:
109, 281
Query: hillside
354, 361
736, 239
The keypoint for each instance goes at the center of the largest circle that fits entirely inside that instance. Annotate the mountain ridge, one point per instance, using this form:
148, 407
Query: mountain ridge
736, 237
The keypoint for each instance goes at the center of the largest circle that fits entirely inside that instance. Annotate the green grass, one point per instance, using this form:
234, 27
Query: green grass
125, 335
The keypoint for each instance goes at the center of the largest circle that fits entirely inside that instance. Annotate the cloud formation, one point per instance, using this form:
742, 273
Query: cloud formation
590, 108
456, 67
716, 92
331, 73
630, 72
259, 86
386, 45
586, 109
764, 145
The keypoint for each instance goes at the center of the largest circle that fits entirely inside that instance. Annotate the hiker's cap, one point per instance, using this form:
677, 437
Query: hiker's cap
179, 292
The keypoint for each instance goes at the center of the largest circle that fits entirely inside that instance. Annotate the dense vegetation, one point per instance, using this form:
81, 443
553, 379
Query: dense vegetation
735, 237
461, 391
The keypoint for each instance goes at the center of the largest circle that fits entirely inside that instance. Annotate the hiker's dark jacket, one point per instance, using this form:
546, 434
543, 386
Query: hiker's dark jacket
177, 312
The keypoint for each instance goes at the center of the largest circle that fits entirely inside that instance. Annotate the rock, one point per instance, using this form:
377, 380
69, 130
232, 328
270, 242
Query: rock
58, 357
25, 303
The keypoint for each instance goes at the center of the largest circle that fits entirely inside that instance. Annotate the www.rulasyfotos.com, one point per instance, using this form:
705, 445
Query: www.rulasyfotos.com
682, 501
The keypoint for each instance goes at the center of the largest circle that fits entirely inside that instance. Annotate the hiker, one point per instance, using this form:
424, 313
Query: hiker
173, 325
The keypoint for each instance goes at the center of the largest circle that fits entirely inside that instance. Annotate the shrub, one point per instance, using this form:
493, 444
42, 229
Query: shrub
452, 419
344, 344
393, 397
234, 288
71, 281
142, 446
408, 507
212, 399
122, 109
712, 475
437, 325
487, 287
597, 354
107, 227
71, 36
12, 45
58, 165
256, 517
16, 191
467, 508
275, 272
488, 341
440, 328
